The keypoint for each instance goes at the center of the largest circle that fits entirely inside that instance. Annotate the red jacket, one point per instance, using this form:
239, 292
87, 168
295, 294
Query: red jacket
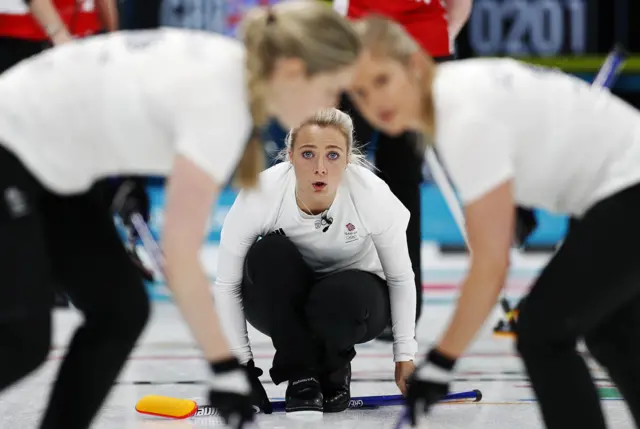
80, 16
424, 20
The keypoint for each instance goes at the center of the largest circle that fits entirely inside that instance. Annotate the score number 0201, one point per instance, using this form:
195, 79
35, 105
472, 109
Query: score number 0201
526, 27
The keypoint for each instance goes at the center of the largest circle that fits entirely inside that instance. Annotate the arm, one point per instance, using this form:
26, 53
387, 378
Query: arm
190, 195
108, 10
391, 244
458, 12
490, 223
478, 153
239, 232
49, 19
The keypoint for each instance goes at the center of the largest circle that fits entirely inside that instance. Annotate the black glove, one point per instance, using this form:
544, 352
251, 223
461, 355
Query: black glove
259, 397
230, 392
526, 223
428, 384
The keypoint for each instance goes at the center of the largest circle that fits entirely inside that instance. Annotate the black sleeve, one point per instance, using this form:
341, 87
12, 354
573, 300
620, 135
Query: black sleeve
145, 14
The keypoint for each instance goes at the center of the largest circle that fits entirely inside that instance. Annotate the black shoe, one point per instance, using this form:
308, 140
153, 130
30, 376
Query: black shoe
336, 389
386, 335
303, 394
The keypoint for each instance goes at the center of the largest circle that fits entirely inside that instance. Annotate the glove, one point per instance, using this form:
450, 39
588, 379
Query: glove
259, 397
428, 384
230, 392
526, 223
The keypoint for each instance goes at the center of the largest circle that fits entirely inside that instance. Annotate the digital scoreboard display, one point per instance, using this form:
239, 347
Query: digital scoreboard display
530, 28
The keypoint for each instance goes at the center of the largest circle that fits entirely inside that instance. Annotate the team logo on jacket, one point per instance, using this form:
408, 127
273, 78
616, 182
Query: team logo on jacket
351, 233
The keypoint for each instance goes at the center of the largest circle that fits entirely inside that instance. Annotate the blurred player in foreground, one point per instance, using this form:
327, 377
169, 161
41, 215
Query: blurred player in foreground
514, 134
330, 270
169, 102
434, 25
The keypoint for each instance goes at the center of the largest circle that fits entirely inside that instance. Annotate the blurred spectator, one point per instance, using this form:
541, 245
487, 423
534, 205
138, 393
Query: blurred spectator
30, 26
206, 15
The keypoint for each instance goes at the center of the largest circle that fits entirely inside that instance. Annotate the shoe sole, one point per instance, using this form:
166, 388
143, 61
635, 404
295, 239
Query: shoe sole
304, 415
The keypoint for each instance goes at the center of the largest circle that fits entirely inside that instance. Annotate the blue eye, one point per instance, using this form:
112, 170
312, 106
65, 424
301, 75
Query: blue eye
333, 155
307, 154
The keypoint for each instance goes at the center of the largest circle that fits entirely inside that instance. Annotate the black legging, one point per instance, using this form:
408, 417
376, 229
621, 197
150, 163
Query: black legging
591, 290
313, 322
71, 238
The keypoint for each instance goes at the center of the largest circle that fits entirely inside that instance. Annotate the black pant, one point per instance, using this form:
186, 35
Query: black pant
590, 290
313, 323
12, 51
74, 239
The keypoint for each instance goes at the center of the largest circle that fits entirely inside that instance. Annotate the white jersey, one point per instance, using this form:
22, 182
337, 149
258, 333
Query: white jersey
368, 233
127, 103
566, 145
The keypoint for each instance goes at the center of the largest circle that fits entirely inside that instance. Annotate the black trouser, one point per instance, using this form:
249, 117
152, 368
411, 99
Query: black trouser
12, 51
399, 164
313, 323
589, 290
74, 239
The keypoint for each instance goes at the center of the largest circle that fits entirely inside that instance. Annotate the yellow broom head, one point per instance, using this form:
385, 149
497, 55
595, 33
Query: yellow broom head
165, 406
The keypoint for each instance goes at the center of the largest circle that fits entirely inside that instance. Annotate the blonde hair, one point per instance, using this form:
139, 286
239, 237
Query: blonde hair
387, 39
327, 118
311, 31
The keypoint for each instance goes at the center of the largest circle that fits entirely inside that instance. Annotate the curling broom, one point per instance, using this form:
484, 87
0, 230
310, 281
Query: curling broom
175, 408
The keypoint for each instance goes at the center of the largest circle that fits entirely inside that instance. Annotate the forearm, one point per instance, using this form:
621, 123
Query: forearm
108, 10
478, 296
48, 17
190, 287
228, 301
403, 320
458, 12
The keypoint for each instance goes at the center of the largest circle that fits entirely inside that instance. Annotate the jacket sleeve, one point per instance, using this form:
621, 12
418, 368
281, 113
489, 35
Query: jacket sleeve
388, 230
240, 230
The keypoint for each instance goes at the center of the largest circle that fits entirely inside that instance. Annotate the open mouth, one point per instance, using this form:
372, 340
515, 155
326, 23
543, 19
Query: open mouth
318, 186
387, 116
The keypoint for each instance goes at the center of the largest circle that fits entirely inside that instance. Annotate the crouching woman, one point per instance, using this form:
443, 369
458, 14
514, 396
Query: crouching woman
316, 258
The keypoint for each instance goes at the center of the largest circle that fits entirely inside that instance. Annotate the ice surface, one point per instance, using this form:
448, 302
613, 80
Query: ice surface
166, 362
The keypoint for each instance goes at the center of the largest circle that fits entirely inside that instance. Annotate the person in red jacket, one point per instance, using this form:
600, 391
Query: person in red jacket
434, 24
29, 26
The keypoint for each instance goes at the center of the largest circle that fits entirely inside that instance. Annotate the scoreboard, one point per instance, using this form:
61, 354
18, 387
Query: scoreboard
560, 29
530, 28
